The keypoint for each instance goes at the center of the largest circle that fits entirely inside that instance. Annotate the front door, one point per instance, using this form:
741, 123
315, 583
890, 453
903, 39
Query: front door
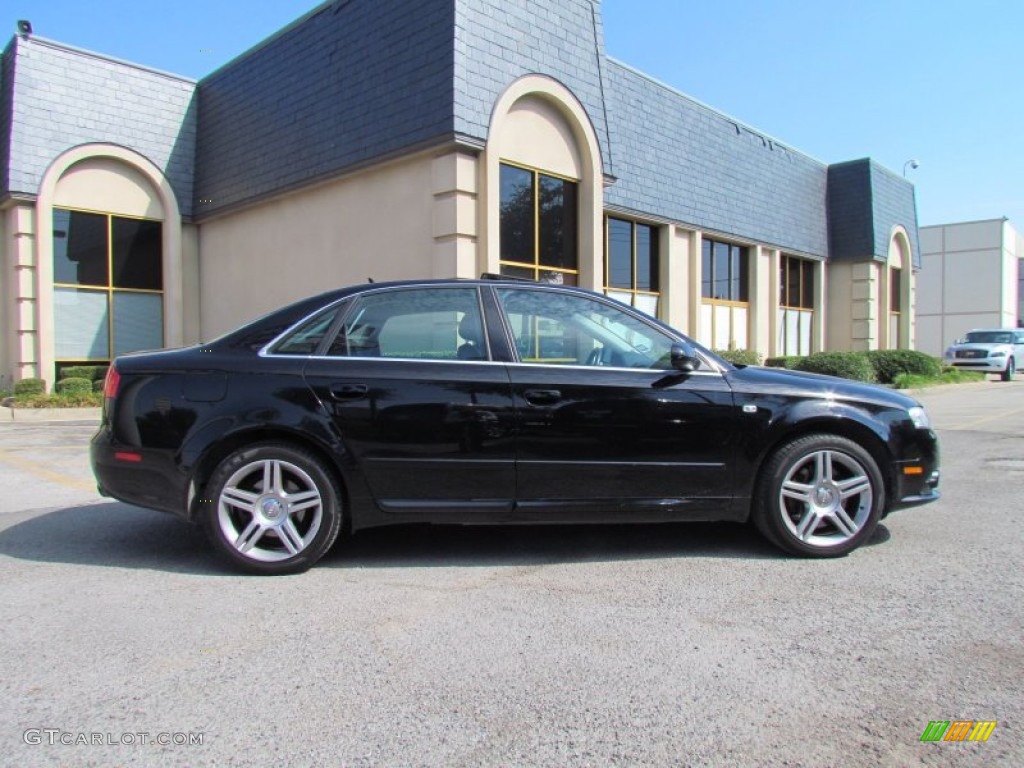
604, 424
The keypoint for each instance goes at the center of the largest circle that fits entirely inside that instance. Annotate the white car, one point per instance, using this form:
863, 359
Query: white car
991, 350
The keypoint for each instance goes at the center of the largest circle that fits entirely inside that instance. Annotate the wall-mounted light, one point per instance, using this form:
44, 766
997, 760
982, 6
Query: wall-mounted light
24, 27
914, 165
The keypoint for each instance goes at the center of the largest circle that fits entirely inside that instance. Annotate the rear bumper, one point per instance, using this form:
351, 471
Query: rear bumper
143, 477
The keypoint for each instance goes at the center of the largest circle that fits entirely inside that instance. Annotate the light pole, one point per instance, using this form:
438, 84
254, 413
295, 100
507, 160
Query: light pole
914, 165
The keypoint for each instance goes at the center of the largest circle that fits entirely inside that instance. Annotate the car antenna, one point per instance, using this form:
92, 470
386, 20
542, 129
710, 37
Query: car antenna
369, 280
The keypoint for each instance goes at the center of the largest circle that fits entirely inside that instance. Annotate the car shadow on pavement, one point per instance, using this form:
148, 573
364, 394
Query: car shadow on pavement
112, 534
441, 546
121, 536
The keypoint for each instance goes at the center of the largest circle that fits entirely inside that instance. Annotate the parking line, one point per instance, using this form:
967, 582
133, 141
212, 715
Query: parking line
53, 477
982, 420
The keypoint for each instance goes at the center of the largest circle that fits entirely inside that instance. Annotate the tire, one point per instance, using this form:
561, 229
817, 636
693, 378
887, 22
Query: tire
284, 530
819, 496
1011, 368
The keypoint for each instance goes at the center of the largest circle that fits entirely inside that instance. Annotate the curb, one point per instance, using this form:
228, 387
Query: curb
50, 415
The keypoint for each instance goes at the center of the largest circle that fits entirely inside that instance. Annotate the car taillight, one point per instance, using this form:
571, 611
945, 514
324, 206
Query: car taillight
111, 383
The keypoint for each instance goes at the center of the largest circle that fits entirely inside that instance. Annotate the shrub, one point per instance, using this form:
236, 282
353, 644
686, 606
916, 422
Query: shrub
30, 387
788, 361
62, 400
90, 372
847, 365
890, 363
97, 386
74, 385
739, 356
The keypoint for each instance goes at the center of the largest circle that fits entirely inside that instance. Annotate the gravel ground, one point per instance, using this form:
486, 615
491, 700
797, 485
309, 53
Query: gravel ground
684, 645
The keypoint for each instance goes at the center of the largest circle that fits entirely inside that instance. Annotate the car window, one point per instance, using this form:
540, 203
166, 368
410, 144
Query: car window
990, 337
566, 329
305, 339
1018, 338
417, 323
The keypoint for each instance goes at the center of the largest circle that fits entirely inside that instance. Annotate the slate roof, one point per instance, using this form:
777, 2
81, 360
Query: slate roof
57, 97
681, 160
353, 81
866, 201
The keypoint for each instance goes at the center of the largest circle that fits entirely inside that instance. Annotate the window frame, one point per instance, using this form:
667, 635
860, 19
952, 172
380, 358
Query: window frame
536, 267
709, 366
655, 257
806, 274
354, 302
709, 277
110, 289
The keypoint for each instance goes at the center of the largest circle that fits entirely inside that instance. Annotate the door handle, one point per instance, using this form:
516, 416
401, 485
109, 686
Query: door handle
542, 396
348, 391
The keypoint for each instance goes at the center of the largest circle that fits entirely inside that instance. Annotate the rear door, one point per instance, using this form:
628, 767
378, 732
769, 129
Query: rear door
422, 409
606, 429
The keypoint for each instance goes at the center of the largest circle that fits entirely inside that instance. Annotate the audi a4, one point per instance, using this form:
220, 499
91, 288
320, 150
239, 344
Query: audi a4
494, 401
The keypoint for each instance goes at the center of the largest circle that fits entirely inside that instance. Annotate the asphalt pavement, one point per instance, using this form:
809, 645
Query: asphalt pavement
676, 645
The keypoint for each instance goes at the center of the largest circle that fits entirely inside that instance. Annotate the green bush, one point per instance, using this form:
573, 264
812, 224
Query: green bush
90, 372
890, 363
30, 387
847, 365
76, 385
60, 400
97, 386
739, 356
788, 361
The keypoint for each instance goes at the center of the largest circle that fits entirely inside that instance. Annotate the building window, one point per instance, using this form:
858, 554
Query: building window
796, 305
538, 226
725, 275
725, 281
631, 264
108, 285
796, 289
895, 307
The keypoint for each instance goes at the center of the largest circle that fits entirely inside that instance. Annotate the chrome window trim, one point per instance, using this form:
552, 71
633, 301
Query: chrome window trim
663, 371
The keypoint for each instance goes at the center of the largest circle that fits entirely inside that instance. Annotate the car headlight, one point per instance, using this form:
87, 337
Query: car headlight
998, 353
919, 417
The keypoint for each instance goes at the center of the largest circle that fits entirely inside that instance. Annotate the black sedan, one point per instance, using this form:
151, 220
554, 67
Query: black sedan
493, 401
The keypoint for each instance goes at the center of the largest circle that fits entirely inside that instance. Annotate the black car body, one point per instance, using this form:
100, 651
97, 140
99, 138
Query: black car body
494, 401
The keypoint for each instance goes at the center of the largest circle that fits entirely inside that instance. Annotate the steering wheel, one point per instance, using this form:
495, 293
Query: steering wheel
594, 358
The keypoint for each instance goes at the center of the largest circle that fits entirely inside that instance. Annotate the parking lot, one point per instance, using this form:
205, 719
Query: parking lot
647, 645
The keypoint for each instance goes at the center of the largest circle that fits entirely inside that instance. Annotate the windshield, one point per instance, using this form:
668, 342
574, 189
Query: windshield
989, 337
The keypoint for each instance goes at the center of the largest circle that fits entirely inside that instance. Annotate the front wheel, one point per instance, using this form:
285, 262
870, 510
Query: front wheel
272, 509
819, 496
1011, 368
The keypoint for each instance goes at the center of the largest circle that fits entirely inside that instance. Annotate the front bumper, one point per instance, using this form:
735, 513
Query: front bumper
979, 364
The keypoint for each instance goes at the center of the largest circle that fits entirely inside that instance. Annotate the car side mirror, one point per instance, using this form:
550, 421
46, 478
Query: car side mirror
684, 358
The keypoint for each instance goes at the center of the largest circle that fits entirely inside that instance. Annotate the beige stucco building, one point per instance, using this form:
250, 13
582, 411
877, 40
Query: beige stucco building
142, 209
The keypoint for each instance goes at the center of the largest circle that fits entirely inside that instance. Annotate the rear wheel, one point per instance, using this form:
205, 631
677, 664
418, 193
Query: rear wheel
819, 496
272, 509
1011, 368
